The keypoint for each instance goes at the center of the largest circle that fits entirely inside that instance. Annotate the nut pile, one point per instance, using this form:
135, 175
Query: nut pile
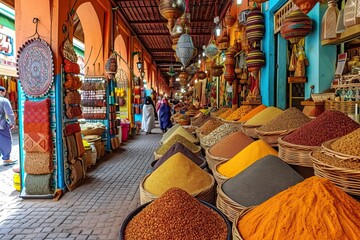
290, 119
177, 139
218, 134
334, 161
239, 113
176, 215
329, 125
209, 126
348, 144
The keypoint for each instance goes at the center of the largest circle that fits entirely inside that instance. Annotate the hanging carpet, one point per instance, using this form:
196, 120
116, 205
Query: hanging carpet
38, 163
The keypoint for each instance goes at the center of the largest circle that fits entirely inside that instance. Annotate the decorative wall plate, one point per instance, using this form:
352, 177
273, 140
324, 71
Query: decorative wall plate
35, 66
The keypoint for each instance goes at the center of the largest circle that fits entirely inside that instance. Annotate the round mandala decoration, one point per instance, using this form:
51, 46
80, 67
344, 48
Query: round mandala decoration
35, 67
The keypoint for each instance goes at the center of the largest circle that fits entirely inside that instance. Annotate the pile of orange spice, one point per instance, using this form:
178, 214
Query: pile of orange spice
312, 209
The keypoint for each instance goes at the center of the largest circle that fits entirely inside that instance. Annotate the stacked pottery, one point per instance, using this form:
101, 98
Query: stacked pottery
171, 10
229, 74
296, 26
255, 26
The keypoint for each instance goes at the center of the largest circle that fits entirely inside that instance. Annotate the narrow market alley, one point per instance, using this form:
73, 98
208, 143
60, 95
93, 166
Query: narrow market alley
94, 210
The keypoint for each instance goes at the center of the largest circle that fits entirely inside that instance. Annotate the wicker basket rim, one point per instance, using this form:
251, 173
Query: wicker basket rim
302, 147
226, 197
318, 161
215, 171
280, 132
237, 219
207, 152
196, 194
343, 156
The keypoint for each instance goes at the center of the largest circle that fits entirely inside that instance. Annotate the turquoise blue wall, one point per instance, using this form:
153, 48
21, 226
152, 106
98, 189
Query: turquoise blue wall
322, 59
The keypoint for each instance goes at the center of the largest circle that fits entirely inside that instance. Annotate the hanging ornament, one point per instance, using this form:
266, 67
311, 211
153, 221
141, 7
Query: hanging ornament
229, 74
171, 71
329, 20
111, 65
296, 26
255, 26
183, 76
224, 41
255, 60
260, 1
201, 75
185, 49
305, 5
211, 51
229, 20
171, 10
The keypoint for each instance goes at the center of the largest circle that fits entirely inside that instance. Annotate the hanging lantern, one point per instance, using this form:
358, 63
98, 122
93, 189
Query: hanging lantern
255, 26
201, 75
171, 71
229, 20
192, 69
229, 74
171, 10
111, 65
255, 60
305, 5
211, 51
185, 49
296, 26
183, 76
224, 41
217, 70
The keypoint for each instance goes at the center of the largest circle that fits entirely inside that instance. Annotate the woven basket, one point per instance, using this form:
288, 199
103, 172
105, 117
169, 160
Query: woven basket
207, 195
212, 160
345, 178
295, 154
87, 157
94, 131
183, 122
271, 138
250, 131
327, 149
228, 206
235, 231
218, 176
347, 107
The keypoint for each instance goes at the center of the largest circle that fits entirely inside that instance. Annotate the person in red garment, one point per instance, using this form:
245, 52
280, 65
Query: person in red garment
7, 122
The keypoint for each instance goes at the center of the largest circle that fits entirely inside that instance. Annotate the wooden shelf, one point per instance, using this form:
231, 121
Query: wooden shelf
350, 33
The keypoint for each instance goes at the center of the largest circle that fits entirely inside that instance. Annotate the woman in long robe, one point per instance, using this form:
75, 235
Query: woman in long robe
148, 116
165, 115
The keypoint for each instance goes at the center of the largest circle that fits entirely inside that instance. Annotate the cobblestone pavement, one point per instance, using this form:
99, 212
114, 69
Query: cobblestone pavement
94, 210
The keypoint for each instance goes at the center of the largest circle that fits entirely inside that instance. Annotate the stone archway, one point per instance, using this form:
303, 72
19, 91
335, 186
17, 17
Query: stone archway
92, 39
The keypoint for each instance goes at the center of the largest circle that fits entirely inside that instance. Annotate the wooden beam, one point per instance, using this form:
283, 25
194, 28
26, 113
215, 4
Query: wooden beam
168, 34
164, 22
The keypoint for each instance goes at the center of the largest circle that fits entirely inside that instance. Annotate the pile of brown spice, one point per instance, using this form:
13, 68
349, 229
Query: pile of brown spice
220, 111
348, 144
334, 161
200, 120
329, 125
209, 126
290, 119
176, 215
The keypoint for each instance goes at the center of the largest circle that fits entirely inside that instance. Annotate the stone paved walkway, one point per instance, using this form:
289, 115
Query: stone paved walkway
95, 210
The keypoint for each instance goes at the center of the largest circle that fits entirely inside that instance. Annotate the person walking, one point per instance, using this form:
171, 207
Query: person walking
158, 105
165, 115
148, 116
7, 122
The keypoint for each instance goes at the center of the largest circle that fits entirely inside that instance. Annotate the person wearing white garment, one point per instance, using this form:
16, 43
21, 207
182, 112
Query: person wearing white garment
148, 116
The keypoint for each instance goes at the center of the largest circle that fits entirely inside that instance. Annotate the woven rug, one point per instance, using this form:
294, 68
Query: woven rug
38, 184
36, 67
37, 112
37, 142
38, 163
72, 147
